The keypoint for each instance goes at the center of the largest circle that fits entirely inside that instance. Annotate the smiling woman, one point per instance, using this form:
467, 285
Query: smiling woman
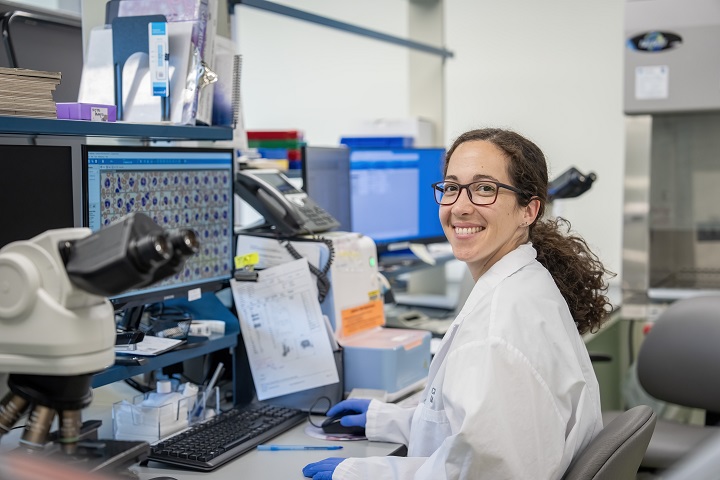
511, 392
577, 271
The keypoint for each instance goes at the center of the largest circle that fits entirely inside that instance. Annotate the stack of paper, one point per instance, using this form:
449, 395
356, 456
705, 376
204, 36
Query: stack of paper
28, 93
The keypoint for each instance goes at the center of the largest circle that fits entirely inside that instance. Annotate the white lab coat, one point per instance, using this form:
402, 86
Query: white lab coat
511, 393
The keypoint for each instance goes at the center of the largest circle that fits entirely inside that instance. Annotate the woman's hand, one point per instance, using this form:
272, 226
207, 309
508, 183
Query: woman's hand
357, 407
322, 470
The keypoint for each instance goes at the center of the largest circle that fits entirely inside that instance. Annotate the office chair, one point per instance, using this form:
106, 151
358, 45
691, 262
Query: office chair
679, 363
703, 462
616, 452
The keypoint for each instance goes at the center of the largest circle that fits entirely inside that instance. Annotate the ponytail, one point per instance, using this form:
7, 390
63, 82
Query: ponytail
577, 272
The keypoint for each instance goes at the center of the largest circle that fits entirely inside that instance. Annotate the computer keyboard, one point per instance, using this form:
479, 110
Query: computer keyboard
210, 444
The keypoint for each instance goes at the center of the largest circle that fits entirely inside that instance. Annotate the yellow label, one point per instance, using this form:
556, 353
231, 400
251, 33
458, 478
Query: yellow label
249, 260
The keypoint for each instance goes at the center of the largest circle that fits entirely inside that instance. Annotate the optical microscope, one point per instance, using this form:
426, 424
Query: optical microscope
57, 327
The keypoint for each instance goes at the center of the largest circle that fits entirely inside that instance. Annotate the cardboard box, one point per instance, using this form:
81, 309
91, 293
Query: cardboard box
420, 130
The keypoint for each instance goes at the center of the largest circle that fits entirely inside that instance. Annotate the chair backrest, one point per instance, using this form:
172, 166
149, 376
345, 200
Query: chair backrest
679, 359
616, 452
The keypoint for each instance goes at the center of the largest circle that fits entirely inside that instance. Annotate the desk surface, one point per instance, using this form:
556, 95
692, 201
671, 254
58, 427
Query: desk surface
285, 465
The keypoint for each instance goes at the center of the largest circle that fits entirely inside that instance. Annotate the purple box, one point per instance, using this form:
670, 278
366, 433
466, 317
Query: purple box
86, 111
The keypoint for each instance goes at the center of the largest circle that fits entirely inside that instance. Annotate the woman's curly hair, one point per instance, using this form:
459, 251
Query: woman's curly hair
577, 271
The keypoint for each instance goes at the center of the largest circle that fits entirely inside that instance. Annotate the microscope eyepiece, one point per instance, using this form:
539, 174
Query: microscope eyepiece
185, 242
130, 253
150, 250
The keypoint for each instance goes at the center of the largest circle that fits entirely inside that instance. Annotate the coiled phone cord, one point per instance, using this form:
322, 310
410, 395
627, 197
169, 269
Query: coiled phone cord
323, 283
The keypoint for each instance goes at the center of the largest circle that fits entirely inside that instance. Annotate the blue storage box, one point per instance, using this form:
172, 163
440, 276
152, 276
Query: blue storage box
378, 142
388, 359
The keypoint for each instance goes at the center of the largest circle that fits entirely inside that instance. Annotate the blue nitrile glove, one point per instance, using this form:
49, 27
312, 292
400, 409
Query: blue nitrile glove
354, 405
322, 470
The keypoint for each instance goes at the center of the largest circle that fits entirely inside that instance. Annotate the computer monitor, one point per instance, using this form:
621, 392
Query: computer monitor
326, 179
178, 188
36, 190
391, 198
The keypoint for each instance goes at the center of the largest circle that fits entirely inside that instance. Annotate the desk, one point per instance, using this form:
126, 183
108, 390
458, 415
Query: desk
285, 465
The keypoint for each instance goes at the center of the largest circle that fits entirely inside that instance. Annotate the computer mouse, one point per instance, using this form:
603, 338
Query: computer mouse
332, 425
162, 478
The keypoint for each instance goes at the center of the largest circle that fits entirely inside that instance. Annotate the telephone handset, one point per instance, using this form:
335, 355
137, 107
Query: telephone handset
290, 210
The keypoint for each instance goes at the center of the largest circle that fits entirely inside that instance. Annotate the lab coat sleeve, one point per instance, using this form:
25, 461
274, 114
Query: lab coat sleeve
503, 418
387, 422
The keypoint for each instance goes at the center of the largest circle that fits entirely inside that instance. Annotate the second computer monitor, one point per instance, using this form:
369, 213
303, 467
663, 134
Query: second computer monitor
326, 179
391, 197
382, 193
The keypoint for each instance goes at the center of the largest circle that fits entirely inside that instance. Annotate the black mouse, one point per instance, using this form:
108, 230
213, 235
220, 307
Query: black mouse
162, 478
332, 425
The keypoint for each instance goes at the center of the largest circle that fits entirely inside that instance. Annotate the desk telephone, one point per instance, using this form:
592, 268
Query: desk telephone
286, 208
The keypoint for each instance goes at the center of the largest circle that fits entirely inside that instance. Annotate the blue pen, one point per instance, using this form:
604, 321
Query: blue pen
298, 447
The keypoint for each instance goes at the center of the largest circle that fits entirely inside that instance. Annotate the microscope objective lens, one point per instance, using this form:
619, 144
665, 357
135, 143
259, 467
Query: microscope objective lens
37, 427
11, 408
70, 426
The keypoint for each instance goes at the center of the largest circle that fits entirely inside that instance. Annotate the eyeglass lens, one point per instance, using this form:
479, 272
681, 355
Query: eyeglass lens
481, 193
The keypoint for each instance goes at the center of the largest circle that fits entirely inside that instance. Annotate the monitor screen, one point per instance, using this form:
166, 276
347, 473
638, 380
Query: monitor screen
326, 179
176, 187
36, 190
391, 199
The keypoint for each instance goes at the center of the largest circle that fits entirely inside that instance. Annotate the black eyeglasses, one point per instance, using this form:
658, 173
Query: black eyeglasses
484, 192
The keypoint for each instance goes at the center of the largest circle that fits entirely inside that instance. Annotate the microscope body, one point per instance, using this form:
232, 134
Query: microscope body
49, 326
57, 326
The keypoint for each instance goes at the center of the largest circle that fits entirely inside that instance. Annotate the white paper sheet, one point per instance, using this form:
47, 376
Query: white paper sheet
652, 82
284, 332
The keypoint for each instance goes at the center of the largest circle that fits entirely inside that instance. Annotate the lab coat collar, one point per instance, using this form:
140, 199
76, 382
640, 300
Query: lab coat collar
513, 261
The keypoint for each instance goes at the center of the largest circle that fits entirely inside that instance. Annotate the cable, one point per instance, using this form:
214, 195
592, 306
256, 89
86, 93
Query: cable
310, 410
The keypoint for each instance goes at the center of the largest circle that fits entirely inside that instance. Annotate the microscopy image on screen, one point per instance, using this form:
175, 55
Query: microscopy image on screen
176, 199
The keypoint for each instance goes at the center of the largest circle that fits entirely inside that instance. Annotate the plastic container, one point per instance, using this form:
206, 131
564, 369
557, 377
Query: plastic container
158, 414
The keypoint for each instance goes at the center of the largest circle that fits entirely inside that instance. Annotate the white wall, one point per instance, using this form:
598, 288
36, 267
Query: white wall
551, 70
324, 81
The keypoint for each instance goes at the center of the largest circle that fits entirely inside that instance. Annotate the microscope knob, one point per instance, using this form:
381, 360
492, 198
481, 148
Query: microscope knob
19, 282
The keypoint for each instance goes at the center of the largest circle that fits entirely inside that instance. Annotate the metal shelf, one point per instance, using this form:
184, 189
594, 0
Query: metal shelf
191, 350
52, 126
209, 306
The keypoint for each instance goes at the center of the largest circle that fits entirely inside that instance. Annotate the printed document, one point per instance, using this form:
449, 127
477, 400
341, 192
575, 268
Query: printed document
284, 331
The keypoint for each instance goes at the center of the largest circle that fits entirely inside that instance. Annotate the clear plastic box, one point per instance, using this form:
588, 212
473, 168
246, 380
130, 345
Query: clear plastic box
139, 419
